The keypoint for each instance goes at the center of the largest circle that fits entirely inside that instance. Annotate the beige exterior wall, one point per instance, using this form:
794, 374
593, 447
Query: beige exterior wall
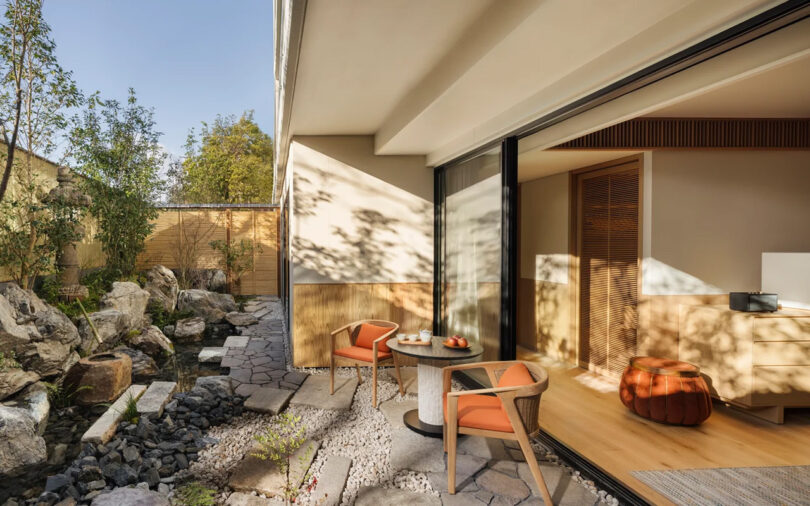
361, 234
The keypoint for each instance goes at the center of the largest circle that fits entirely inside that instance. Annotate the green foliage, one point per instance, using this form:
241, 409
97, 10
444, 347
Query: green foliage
130, 413
98, 282
62, 396
279, 442
9, 361
32, 231
237, 257
116, 148
194, 494
161, 317
35, 92
231, 161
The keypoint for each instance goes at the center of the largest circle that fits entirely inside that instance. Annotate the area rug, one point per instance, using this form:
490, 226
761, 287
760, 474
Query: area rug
743, 486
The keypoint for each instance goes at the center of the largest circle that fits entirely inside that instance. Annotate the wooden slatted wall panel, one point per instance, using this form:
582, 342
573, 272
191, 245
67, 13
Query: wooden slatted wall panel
697, 133
608, 233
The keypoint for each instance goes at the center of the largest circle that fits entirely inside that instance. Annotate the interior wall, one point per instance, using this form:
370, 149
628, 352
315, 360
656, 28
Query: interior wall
361, 240
707, 217
543, 288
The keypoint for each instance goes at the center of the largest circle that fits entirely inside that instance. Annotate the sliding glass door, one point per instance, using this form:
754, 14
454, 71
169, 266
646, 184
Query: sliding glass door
471, 251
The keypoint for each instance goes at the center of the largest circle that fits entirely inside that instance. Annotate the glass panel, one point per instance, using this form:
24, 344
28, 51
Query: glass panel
472, 251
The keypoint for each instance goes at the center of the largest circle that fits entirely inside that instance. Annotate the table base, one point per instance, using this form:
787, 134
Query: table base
412, 421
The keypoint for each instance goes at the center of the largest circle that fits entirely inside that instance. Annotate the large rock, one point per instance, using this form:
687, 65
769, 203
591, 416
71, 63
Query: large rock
14, 379
25, 302
142, 364
14, 337
220, 386
130, 299
20, 445
54, 325
162, 286
99, 378
130, 497
110, 324
210, 306
49, 358
34, 401
152, 342
238, 319
189, 329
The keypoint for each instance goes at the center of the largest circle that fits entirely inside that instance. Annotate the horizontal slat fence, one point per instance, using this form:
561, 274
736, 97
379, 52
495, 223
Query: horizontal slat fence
179, 229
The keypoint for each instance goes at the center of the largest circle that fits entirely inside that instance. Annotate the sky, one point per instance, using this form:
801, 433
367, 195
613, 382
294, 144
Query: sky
188, 59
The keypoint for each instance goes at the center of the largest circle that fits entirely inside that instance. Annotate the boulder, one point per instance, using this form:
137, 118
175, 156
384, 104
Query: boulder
128, 298
238, 319
219, 386
14, 337
25, 302
14, 379
152, 342
20, 445
99, 378
162, 286
54, 325
34, 401
214, 280
209, 305
218, 281
189, 329
110, 324
130, 497
49, 358
142, 364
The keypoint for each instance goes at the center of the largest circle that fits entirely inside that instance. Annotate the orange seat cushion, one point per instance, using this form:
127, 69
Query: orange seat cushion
368, 334
516, 375
481, 412
364, 354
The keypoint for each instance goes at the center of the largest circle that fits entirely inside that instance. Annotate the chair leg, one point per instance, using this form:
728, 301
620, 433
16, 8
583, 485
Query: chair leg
399, 377
374, 386
452, 435
531, 459
357, 368
332, 375
444, 436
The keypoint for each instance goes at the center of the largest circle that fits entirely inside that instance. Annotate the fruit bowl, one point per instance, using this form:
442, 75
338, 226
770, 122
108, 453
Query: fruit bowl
456, 343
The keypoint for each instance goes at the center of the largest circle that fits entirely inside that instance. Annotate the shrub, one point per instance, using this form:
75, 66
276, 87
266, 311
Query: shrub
237, 257
161, 317
279, 442
194, 494
62, 396
130, 413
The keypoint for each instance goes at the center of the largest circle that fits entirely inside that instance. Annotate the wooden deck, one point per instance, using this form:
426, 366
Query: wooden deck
582, 410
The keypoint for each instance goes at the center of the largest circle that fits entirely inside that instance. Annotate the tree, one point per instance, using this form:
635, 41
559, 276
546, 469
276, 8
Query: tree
116, 148
230, 162
35, 91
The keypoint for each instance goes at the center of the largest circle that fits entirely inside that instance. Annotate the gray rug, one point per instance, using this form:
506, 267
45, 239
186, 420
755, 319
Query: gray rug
743, 486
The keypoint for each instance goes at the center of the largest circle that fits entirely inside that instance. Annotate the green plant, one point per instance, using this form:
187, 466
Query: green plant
62, 396
9, 361
116, 148
237, 257
194, 494
279, 443
130, 413
161, 317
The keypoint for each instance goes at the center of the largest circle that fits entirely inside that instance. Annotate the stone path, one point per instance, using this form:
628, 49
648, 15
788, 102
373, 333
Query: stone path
256, 357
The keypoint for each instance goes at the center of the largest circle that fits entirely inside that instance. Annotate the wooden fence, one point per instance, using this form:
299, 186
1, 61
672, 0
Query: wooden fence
183, 234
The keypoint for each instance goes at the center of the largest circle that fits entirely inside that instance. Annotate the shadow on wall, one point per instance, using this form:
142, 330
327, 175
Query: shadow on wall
351, 226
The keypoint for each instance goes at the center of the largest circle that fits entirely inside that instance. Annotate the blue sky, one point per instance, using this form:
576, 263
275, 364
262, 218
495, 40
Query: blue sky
189, 59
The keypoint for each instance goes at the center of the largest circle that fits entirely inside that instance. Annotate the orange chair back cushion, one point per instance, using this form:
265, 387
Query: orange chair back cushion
515, 376
368, 333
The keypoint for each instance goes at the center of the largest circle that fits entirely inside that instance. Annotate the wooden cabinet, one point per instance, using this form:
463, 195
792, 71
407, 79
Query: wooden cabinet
757, 361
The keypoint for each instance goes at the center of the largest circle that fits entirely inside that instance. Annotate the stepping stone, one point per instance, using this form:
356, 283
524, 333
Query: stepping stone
502, 485
104, 428
242, 499
268, 400
211, 354
155, 398
486, 448
246, 389
253, 474
262, 313
375, 496
236, 341
560, 484
314, 392
394, 411
461, 499
466, 468
334, 474
238, 319
295, 377
418, 453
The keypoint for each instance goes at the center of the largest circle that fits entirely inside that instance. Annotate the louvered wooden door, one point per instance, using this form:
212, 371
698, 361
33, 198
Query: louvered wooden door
608, 229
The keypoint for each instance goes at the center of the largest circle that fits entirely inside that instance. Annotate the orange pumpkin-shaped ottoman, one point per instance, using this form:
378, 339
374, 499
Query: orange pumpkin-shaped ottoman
666, 391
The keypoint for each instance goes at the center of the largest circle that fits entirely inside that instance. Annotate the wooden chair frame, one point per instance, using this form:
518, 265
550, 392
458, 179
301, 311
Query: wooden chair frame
508, 396
352, 329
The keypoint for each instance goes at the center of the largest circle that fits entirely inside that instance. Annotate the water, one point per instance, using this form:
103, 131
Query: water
183, 367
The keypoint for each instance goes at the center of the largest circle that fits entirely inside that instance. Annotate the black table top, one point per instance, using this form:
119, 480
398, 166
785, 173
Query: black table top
436, 351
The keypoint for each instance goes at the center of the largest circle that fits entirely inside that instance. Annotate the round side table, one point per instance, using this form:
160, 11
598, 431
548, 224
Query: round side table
429, 418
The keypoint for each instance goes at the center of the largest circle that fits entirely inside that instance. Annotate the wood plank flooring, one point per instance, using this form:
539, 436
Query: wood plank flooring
583, 411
